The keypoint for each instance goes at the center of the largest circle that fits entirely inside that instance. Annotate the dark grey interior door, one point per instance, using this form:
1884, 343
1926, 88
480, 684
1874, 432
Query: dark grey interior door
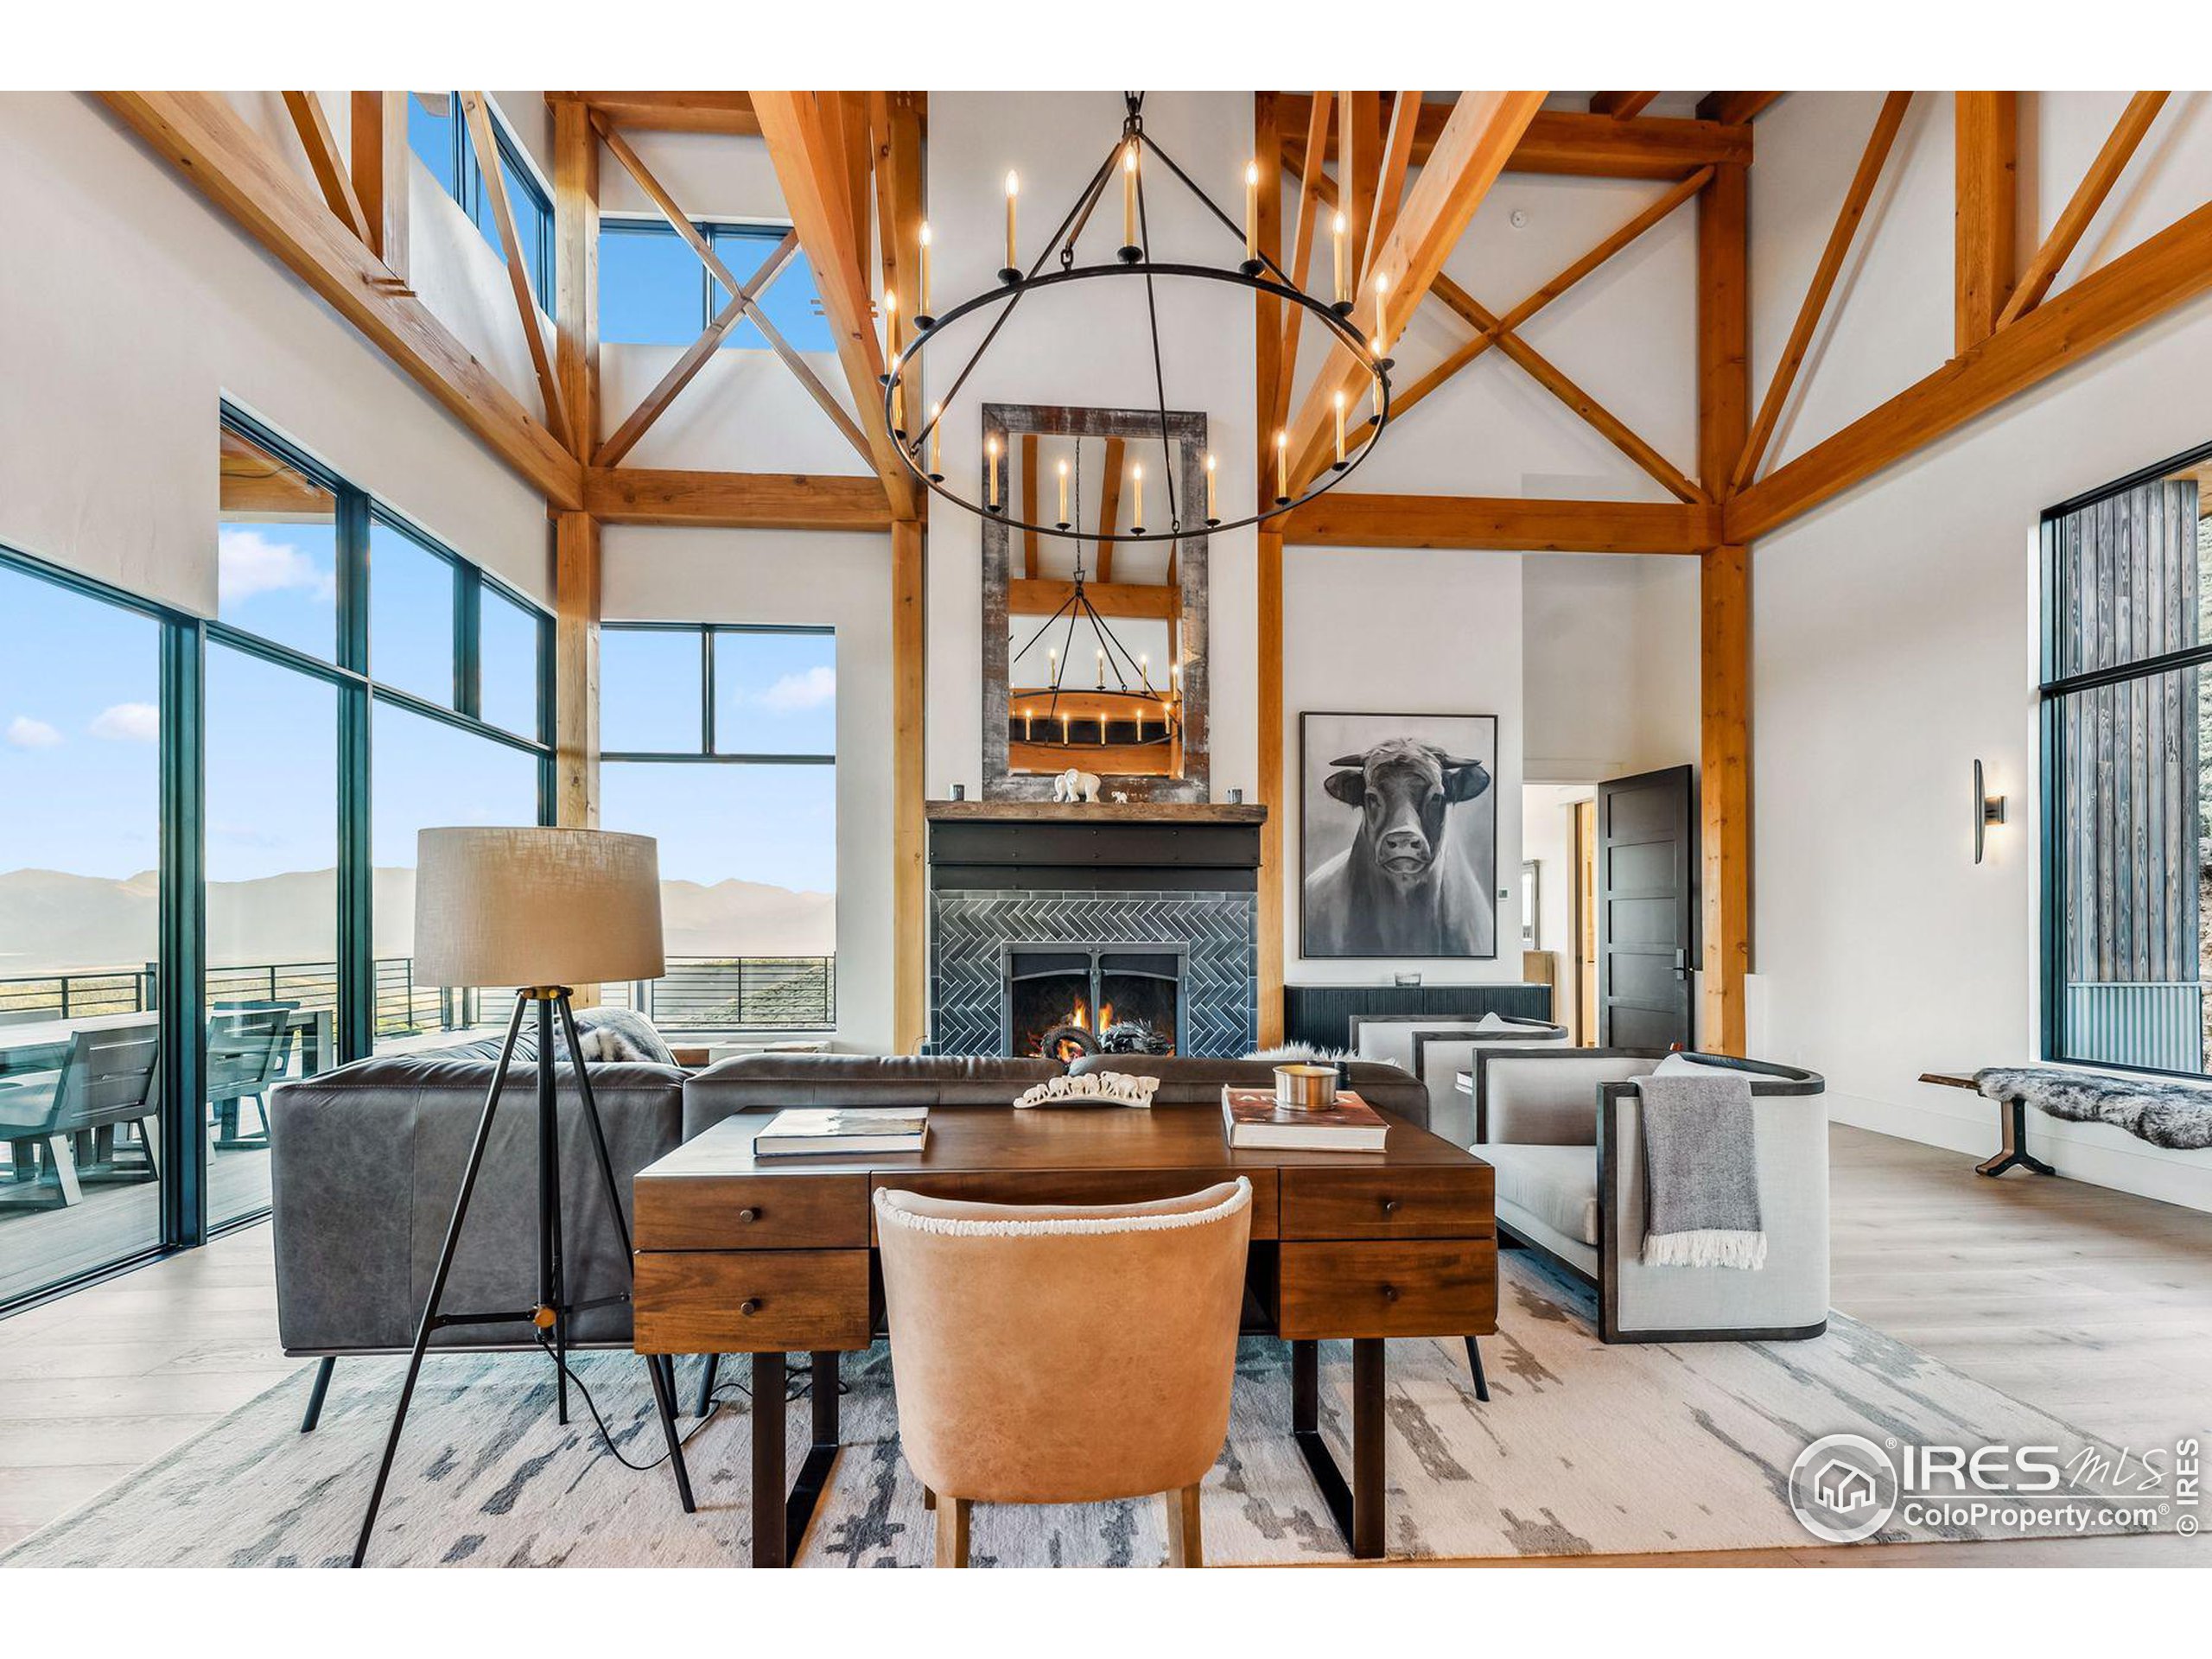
1646, 905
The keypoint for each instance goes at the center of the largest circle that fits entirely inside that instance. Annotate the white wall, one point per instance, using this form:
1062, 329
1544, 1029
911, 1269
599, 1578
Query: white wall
129, 307
1894, 640
1610, 667
844, 581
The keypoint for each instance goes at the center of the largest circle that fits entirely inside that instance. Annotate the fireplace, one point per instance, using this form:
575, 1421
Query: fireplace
1062, 1001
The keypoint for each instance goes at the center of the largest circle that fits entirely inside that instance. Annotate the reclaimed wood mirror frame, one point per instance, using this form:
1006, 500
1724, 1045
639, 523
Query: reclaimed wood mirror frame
1139, 429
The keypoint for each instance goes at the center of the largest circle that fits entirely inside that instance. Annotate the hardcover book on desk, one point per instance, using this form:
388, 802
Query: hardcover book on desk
791, 1133
1253, 1118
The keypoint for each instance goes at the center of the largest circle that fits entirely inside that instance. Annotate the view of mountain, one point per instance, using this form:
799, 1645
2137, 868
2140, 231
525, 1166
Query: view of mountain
53, 922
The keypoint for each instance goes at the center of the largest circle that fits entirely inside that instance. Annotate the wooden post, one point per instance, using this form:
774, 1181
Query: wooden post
1986, 161
576, 669
575, 280
1724, 754
909, 883
1268, 395
1725, 793
378, 144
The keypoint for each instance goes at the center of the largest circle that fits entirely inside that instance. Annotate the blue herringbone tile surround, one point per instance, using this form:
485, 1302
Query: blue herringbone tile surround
1220, 930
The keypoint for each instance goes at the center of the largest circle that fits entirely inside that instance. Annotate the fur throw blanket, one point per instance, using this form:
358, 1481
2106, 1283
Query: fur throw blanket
1301, 1053
1092, 1089
2176, 1115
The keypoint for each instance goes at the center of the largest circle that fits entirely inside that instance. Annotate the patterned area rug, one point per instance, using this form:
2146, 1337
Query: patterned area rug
1582, 1449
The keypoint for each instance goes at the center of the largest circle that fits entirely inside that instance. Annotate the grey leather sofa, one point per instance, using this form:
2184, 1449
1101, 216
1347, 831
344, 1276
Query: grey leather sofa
1563, 1129
366, 1164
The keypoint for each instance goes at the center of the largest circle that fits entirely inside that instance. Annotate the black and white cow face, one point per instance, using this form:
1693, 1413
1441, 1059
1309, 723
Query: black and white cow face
1402, 788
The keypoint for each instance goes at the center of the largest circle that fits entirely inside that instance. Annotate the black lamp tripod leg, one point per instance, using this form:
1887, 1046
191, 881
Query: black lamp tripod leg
552, 1299
662, 1380
429, 1321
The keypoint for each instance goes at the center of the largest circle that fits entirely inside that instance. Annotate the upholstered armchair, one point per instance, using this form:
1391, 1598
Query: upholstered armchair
1063, 1354
1562, 1126
1437, 1048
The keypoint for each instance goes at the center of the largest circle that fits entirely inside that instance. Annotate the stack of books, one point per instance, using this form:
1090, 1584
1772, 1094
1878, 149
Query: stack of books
1254, 1120
838, 1129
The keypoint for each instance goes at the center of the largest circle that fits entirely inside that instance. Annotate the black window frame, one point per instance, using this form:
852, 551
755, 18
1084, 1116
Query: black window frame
2052, 691
642, 224
469, 192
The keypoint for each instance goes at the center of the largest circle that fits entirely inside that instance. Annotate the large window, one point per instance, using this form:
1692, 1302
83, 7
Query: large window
438, 134
81, 889
2127, 733
654, 291
721, 743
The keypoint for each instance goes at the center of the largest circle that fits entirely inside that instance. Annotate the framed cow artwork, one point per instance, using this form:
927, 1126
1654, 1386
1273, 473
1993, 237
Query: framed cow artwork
1398, 835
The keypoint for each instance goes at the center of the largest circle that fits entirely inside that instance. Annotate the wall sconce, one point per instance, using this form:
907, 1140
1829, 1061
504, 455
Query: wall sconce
1987, 810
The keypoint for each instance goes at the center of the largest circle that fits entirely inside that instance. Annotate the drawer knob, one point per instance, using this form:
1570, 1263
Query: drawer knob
749, 1307
1390, 1293
1389, 1206
748, 1215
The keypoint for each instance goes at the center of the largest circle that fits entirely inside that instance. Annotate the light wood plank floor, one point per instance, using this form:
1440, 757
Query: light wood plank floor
2094, 1304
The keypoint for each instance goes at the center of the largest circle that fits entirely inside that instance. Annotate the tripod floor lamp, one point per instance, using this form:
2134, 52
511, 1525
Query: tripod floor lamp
544, 910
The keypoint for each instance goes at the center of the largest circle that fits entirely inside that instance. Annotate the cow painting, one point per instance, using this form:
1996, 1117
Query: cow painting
1415, 877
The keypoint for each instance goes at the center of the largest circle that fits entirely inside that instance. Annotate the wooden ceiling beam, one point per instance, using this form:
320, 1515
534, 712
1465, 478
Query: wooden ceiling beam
377, 138
723, 113
1276, 408
1467, 158
476, 110
1620, 106
1986, 160
1860, 191
695, 357
1509, 524
575, 271
206, 140
331, 175
1359, 170
639, 495
1390, 187
814, 177
2082, 206
1144, 601
1735, 109
2139, 286
1574, 143
678, 221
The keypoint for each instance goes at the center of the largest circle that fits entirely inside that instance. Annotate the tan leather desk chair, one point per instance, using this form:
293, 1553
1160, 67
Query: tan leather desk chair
1063, 1354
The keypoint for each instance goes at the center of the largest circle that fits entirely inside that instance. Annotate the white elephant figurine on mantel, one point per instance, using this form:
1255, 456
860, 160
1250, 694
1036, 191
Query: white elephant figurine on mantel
1074, 786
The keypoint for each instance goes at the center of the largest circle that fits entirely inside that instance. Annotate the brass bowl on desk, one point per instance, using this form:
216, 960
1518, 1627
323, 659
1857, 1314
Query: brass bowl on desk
1301, 1088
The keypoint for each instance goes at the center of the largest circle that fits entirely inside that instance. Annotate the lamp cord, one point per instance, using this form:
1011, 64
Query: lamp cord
795, 1389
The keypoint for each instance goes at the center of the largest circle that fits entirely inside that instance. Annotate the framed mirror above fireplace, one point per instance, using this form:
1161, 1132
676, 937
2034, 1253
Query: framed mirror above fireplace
1094, 651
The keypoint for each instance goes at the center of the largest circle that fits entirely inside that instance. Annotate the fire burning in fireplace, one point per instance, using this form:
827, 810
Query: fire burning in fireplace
1064, 1002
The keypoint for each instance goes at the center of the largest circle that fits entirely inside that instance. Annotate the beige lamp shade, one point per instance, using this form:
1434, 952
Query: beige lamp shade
536, 906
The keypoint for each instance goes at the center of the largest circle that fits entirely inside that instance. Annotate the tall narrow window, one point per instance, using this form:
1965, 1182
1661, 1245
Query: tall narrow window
276, 549
80, 838
2126, 706
721, 743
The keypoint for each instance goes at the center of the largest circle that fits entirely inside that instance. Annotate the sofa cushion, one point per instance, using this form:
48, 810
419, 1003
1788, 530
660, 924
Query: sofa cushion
622, 1034
1556, 1185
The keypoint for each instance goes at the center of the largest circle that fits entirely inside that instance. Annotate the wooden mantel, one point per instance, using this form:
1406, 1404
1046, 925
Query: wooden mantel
1099, 812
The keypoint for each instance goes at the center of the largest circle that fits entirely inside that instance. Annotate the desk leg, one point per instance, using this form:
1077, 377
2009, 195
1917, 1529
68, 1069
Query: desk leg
2012, 1116
1367, 1448
769, 1547
821, 1452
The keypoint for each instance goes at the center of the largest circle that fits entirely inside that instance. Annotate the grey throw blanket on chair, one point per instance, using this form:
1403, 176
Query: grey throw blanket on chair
1700, 1161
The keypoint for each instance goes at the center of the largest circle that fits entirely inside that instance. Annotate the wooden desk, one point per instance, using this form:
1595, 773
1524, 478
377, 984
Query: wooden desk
776, 1256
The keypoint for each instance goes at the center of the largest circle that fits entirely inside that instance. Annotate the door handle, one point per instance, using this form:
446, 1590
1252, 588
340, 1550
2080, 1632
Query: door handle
1682, 964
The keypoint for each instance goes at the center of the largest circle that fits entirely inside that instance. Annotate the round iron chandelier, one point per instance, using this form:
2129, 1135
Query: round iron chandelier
916, 431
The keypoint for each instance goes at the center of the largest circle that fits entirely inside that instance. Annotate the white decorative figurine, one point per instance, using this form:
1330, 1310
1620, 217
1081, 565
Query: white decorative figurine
1121, 798
1073, 785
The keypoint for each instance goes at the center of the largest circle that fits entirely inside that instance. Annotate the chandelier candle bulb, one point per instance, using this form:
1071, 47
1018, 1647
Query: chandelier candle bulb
1102, 674
1212, 507
1282, 465
890, 325
1252, 212
921, 306
1144, 669
1378, 379
1013, 190
1138, 520
1381, 291
1341, 227
1129, 194
1340, 429
991, 471
936, 435
1063, 495
1052, 667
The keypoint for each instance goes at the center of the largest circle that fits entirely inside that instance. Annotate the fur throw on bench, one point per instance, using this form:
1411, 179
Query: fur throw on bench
2176, 1115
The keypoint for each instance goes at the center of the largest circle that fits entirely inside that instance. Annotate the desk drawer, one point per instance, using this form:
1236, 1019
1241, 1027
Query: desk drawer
1088, 1187
751, 1301
1416, 1287
1452, 1202
753, 1212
